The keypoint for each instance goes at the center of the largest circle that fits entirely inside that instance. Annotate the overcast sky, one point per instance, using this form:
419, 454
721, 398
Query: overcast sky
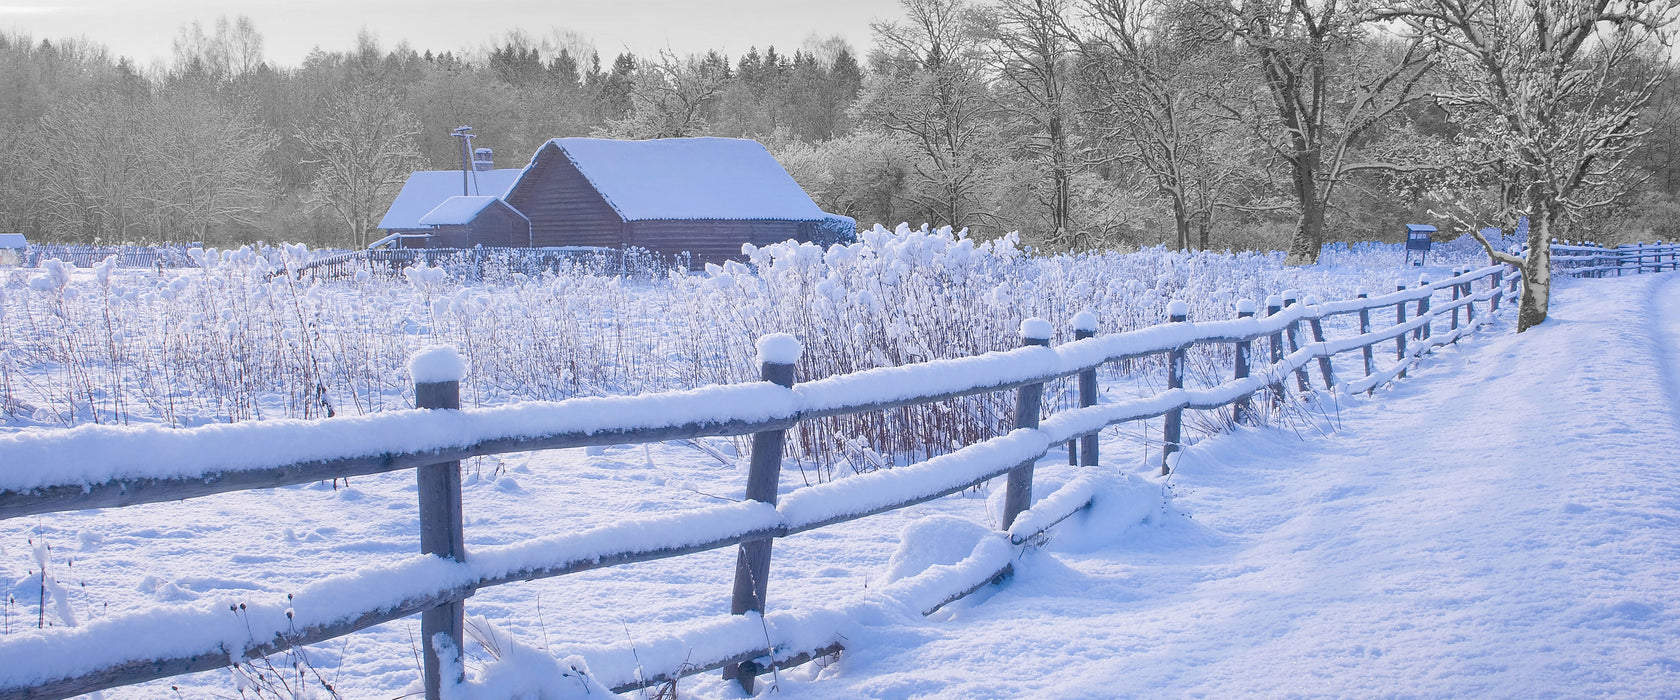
142, 29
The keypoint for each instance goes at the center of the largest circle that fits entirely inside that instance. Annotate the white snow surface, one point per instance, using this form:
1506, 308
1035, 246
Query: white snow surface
779, 349
437, 363
1036, 329
457, 210
426, 189
690, 178
1501, 523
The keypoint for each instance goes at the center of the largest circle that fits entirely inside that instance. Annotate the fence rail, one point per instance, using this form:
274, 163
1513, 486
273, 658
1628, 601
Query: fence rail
1591, 260
156, 465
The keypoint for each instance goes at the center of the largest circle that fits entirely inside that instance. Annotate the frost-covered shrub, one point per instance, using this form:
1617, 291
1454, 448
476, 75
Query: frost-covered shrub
241, 339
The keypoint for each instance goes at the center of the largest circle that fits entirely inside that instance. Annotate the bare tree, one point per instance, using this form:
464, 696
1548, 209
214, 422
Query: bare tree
1032, 50
1554, 89
362, 145
208, 163
928, 88
1157, 95
668, 99
1325, 84
124, 168
234, 51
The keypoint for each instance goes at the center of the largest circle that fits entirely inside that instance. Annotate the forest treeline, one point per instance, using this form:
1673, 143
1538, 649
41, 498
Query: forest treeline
1271, 124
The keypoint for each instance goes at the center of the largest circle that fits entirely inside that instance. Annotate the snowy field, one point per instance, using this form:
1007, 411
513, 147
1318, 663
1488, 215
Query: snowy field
1499, 524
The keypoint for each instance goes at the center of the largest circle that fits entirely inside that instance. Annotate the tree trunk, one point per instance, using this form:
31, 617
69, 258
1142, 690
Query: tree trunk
1537, 269
1181, 222
1309, 229
1058, 175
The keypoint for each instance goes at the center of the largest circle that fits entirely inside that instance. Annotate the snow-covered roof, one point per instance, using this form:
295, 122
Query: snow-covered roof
1417, 228
458, 210
13, 240
695, 178
426, 189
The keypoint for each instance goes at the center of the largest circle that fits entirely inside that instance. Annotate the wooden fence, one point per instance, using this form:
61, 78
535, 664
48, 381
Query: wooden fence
480, 262
170, 256
1592, 260
1426, 316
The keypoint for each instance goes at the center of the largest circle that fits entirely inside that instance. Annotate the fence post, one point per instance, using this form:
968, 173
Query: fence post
437, 373
1172, 426
1241, 408
1325, 369
1029, 402
1456, 295
1274, 304
1295, 342
1365, 327
1470, 308
1498, 289
776, 354
1423, 332
1085, 326
1400, 340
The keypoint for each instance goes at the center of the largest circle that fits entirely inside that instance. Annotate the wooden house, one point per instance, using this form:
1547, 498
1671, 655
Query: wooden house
465, 222
426, 190
701, 196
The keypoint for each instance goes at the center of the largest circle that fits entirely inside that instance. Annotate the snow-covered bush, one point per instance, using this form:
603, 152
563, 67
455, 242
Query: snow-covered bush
240, 339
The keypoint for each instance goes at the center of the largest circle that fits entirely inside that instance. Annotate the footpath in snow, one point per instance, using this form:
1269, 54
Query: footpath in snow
1506, 523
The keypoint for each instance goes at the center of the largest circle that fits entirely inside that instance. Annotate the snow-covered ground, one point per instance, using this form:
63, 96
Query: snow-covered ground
1506, 523
1498, 524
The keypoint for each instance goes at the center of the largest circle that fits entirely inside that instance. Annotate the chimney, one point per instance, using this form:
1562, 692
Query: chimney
482, 160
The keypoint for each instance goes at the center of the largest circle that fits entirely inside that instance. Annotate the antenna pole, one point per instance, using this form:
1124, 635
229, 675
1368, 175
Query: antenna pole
466, 135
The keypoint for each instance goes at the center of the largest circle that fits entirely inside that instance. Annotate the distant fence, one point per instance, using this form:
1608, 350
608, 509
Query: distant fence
1273, 348
1592, 260
461, 263
170, 256
482, 262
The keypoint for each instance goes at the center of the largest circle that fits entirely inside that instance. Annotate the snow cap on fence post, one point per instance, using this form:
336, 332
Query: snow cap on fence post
1178, 309
1085, 321
1036, 329
1290, 296
436, 363
1423, 280
1310, 300
779, 349
1274, 302
1246, 308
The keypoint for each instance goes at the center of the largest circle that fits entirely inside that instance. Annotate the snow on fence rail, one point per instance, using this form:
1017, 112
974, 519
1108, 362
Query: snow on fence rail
104, 466
1588, 260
